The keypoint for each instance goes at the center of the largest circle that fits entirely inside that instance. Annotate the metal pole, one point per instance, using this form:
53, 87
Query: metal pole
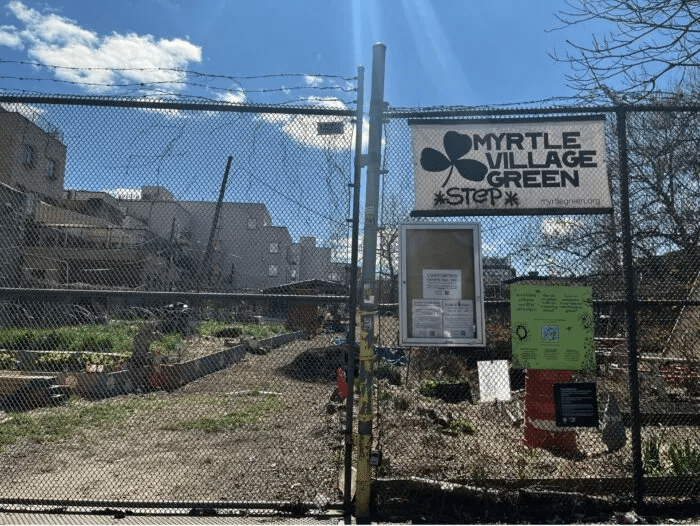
206, 264
364, 417
630, 309
350, 339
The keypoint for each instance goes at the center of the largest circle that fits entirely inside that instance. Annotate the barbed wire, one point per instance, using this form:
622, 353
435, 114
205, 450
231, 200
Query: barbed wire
189, 72
174, 82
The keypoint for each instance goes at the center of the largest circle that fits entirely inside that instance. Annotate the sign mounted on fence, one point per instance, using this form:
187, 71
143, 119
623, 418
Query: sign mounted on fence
477, 167
441, 300
552, 327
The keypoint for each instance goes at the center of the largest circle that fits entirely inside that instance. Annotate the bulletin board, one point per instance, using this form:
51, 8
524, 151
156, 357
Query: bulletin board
441, 301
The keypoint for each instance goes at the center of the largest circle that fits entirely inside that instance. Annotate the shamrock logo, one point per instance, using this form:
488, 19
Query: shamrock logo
456, 146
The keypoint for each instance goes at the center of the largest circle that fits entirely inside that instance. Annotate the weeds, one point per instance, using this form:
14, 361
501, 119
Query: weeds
249, 414
463, 425
523, 463
651, 456
685, 458
115, 338
63, 423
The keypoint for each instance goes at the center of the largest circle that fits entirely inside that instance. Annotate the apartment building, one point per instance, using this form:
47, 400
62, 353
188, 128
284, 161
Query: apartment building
33, 156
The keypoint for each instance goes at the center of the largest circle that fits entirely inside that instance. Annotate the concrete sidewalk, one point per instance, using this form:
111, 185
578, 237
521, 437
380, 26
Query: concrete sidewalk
124, 518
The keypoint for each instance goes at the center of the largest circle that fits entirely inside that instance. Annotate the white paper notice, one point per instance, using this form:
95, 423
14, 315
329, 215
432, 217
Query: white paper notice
427, 318
442, 284
458, 318
494, 381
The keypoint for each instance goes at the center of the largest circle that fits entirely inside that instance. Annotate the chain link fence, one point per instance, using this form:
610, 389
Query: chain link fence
175, 302
439, 424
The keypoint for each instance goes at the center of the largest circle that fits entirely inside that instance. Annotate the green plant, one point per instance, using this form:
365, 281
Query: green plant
54, 360
96, 358
209, 327
168, 345
263, 331
651, 456
115, 337
463, 425
523, 462
685, 458
7, 360
428, 386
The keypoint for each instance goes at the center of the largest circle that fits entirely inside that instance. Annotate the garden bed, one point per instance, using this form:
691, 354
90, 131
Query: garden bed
45, 372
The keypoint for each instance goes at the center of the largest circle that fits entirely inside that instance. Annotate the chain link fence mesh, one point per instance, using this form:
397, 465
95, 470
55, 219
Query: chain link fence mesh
175, 302
175, 308
433, 424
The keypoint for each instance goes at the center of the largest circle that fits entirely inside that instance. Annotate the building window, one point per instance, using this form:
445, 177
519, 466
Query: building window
28, 155
274, 248
252, 225
272, 271
51, 170
294, 273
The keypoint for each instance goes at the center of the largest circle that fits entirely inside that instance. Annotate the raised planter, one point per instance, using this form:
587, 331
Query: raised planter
98, 384
100, 381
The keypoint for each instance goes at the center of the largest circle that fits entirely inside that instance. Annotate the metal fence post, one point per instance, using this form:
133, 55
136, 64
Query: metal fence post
630, 308
352, 323
376, 110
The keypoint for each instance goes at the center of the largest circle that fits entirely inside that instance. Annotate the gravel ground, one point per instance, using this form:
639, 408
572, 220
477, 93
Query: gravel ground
263, 431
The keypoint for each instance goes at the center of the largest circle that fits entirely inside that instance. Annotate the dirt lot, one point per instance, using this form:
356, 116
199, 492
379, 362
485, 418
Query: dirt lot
263, 430
160, 445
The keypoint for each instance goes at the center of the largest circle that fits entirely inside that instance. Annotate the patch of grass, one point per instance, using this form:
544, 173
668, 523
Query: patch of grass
250, 414
115, 337
62, 423
14, 338
209, 327
685, 458
169, 345
263, 331
651, 456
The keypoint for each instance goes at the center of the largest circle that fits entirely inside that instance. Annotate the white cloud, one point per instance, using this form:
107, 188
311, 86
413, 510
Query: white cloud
10, 38
33, 113
304, 128
236, 96
99, 62
558, 227
313, 81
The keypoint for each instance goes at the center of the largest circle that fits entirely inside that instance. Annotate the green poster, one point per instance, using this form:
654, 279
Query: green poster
552, 327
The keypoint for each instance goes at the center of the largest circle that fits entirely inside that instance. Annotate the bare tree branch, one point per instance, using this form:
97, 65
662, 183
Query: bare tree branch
650, 42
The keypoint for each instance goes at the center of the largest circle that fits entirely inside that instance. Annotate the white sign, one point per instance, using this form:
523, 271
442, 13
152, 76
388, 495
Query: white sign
494, 381
443, 318
442, 283
510, 167
457, 318
427, 318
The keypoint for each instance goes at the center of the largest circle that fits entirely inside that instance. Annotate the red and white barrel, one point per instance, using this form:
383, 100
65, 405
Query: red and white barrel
541, 429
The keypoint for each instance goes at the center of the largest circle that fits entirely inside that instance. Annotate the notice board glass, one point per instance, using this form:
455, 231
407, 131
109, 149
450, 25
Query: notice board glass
441, 300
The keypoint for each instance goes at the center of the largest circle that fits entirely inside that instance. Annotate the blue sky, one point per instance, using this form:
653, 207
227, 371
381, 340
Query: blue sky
439, 52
